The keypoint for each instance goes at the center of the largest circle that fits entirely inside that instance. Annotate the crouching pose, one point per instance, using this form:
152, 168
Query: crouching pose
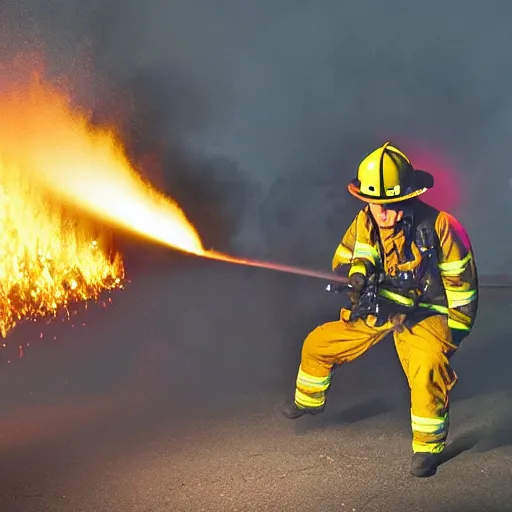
412, 273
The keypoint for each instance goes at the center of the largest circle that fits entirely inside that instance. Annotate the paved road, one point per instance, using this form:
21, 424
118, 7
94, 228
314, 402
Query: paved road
169, 399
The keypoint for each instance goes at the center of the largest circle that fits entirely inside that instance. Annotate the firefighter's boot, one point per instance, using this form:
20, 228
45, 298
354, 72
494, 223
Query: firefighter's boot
425, 464
292, 411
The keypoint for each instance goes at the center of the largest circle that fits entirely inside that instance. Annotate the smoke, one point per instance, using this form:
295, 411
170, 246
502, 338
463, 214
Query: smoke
273, 104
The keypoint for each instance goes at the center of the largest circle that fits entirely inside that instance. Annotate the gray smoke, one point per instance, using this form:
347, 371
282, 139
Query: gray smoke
272, 104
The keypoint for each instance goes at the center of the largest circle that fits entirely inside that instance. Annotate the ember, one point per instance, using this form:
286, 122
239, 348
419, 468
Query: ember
49, 258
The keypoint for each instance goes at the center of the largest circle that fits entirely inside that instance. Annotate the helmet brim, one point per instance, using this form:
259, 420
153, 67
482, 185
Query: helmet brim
423, 181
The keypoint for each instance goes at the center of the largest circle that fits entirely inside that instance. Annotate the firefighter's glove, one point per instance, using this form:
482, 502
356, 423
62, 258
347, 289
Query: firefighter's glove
357, 282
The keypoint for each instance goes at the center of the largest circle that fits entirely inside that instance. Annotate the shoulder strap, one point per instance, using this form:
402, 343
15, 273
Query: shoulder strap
426, 237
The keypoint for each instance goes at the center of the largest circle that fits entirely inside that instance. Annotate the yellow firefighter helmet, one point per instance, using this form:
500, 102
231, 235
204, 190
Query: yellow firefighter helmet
386, 175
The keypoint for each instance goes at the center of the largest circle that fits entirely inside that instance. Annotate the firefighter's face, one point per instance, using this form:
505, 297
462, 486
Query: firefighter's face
386, 215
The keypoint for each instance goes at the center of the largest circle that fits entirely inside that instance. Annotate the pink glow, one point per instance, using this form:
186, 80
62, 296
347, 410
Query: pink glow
446, 194
457, 228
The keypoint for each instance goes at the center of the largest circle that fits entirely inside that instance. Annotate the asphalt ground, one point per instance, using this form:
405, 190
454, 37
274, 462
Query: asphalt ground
169, 398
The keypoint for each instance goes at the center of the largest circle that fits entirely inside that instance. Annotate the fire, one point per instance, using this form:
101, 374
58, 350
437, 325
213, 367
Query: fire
87, 167
51, 160
48, 258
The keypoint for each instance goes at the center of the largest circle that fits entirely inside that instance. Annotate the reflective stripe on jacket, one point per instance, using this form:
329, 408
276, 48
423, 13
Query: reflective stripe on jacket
450, 281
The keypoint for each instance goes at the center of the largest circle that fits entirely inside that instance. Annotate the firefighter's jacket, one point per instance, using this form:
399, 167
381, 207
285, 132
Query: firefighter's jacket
425, 263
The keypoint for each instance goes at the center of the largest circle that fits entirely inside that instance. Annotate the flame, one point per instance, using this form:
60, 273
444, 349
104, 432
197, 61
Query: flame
87, 167
48, 258
51, 160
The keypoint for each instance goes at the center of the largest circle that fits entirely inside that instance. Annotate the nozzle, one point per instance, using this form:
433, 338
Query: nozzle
335, 287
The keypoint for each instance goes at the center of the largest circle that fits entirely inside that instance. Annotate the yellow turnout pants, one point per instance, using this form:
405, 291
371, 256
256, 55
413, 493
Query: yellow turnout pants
423, 350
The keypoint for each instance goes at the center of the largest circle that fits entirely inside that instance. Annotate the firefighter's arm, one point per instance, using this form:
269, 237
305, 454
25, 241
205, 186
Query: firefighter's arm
458, 272
354, 254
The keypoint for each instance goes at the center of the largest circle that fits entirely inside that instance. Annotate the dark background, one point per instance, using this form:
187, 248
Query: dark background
254, 116
260, 112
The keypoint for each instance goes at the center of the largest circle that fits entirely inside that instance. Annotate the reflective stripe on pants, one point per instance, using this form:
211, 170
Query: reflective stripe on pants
424, 351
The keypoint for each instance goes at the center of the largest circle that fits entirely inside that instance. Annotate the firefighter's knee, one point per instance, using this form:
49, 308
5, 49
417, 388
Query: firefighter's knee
431, 379
314, 354
313, 342
326, 340
321, 347
431, 369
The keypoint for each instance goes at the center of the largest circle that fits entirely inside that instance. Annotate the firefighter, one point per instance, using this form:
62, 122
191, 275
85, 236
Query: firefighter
412, 273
